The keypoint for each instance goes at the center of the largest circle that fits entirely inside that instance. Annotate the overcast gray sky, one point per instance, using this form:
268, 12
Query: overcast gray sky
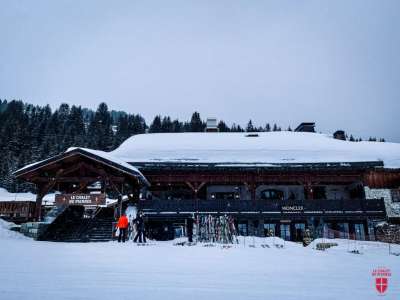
333, 62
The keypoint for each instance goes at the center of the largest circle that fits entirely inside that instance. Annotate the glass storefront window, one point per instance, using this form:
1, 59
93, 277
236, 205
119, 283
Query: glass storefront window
242, 227
343, 229
272, 194
371, 231
328, 231
269, 229
359, 231
285, 232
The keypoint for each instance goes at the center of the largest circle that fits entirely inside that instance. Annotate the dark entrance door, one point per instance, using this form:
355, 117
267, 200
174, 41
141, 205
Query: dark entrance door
299, 229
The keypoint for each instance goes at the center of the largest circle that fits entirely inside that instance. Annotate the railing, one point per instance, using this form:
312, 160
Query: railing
286, 206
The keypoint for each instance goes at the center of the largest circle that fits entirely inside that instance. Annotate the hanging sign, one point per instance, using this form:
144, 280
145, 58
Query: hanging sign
81, 199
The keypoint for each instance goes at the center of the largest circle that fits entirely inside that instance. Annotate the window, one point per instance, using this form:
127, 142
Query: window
225, 196
178, 231
371, 231
343, 229
285, 232
396, 195
272, 194
328, 231
269, 229
242, 228
319, 192
359, 231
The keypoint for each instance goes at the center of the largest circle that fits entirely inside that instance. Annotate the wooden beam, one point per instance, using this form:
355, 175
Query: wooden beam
238, 178
76, 179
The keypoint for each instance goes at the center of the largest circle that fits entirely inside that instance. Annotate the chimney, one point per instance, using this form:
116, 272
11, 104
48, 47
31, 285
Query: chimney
211, 125
339, 135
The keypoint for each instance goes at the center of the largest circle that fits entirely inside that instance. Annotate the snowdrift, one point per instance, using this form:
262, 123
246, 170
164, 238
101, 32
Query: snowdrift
6, 233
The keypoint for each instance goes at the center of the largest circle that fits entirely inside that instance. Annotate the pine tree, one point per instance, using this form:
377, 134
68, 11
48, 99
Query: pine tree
177, 126
250, 127
74, 129
236, 128
196, 124
100, 131
137, 124
222, 127
155, 126
267, 127
123, 131
166, 124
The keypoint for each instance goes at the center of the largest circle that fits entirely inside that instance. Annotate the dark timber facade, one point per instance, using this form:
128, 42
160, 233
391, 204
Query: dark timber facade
284, 199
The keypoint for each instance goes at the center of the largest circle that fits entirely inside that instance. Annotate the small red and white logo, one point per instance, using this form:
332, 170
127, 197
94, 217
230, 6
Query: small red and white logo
381, 276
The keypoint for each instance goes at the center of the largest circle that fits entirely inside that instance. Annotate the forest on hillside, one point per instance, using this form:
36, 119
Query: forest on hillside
30, 133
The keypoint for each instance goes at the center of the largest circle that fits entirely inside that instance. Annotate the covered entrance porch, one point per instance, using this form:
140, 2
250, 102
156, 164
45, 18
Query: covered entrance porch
89, 186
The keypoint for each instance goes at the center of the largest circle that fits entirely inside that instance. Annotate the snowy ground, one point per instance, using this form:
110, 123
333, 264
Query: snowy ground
44, 270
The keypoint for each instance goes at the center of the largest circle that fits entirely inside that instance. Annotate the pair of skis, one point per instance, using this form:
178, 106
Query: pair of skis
216, 229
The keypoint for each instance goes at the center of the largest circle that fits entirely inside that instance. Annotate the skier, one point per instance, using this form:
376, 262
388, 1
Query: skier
190, 222
122, 225
140, 228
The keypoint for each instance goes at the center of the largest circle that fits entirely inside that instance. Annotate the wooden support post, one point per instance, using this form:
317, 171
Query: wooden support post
253, 191
38, 209
119, 205
309, 190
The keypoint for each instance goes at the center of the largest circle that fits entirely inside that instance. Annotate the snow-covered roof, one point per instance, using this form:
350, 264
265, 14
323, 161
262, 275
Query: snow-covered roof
253, 148
107, 156
104, 157
49, 199
7, 196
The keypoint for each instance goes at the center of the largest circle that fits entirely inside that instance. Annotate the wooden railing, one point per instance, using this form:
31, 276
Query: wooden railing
286, 206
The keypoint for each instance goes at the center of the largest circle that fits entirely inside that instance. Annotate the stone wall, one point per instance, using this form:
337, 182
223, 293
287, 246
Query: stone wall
33, 229
392, 208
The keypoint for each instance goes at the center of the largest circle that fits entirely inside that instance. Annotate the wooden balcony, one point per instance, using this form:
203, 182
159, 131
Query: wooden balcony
317, 206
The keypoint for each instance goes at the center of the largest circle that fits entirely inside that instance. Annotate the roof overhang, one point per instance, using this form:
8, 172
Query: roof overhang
92, 155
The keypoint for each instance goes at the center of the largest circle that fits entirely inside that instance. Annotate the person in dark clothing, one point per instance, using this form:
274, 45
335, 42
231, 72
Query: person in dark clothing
189, 224
140, 228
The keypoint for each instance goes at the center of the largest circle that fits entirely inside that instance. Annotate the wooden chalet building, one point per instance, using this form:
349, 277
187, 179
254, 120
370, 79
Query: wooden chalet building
283, 182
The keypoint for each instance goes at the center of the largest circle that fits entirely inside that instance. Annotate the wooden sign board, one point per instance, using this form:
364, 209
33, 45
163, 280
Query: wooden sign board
81, 199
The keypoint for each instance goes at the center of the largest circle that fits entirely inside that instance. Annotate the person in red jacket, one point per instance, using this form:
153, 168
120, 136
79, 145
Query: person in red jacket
122, 225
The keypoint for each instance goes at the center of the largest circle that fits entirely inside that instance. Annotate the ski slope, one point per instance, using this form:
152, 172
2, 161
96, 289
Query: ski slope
44, 270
